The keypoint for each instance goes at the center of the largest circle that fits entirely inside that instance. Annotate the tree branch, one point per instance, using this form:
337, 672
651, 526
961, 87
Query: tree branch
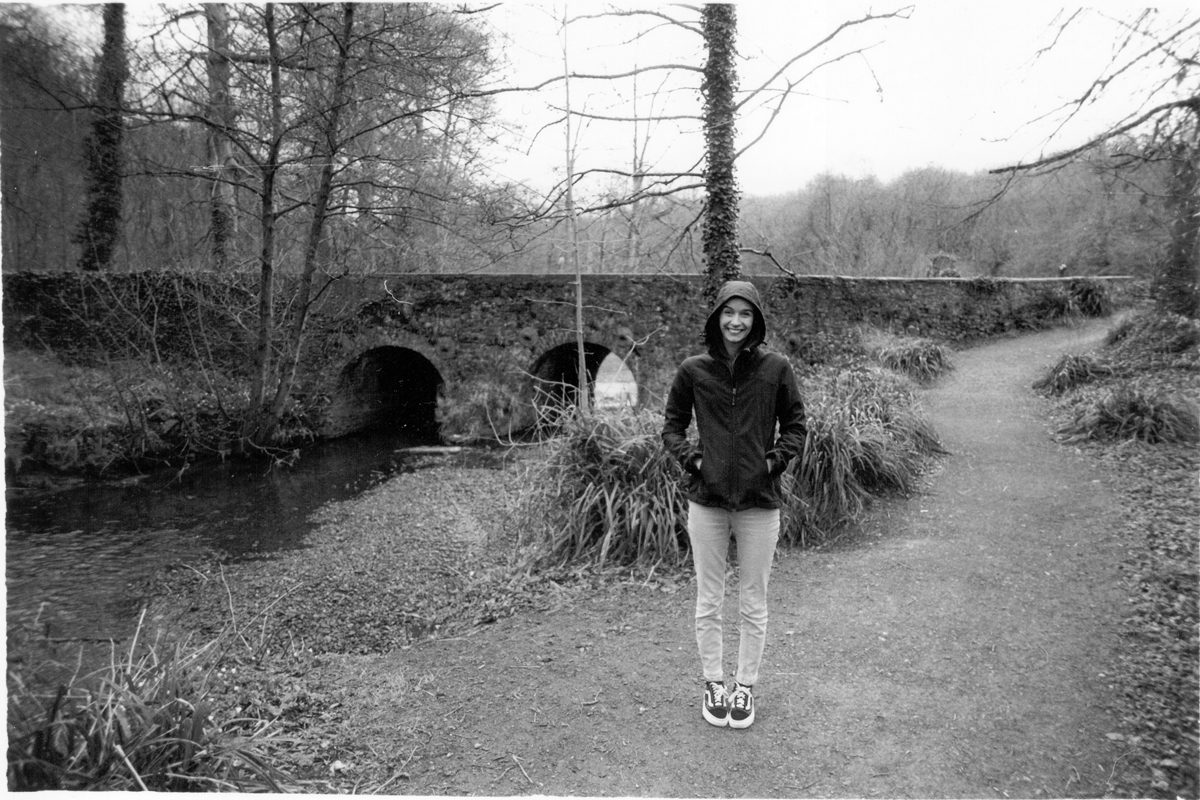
1191, 103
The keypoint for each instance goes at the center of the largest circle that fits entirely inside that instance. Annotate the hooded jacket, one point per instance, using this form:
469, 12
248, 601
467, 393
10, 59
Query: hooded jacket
748, 411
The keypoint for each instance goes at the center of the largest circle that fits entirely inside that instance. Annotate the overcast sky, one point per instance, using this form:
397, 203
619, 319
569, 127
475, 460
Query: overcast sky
957, 84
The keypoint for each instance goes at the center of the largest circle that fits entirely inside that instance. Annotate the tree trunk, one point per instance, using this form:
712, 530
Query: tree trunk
221, 119
264, 346
102, 223
325, 152
1175, 285
720, 236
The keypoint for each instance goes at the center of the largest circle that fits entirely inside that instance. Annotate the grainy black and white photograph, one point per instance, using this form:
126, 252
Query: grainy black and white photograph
762, 399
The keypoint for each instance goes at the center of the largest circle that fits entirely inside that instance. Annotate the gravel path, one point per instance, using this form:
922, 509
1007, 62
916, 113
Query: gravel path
962, 646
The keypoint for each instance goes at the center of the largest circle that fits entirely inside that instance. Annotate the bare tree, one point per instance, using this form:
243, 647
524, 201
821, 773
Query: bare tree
1163, 123
326, 148
648, 183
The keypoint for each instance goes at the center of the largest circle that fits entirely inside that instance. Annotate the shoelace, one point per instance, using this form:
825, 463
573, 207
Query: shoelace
741, 699
720, 695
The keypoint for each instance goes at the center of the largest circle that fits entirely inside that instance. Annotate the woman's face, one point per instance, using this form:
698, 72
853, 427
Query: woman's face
737, 319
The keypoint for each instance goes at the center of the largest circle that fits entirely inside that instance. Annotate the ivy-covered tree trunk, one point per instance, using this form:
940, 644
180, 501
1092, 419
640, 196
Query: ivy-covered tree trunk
102, 149
1175, 287
720, 238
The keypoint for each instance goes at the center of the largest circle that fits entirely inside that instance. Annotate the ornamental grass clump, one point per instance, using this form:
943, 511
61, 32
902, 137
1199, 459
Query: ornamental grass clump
146, 721
920, 359
1131, 412
606, 492
865, 439
1149, 333
1070, 372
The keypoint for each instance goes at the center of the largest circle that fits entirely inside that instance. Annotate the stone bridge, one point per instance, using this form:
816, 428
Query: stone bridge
466, 355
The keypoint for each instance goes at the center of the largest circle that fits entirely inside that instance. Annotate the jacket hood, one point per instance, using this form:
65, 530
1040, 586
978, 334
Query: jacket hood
729, 290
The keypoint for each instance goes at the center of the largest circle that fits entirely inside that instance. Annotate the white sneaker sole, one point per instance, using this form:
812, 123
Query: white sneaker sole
742, 723
720, 722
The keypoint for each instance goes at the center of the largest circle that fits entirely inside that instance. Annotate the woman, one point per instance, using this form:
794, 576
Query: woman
738, 392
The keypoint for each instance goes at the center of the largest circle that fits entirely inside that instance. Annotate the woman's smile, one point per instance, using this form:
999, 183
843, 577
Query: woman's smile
737, 320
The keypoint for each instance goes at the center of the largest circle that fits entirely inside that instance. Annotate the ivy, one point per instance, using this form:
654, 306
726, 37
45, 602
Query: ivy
719, 230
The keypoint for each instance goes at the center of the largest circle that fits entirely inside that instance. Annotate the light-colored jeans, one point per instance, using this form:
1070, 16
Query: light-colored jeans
756, 531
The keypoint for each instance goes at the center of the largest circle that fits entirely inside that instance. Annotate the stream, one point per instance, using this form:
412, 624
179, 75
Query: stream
79, 561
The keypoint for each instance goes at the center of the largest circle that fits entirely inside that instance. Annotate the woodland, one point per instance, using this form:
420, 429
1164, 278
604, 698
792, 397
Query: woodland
365, 142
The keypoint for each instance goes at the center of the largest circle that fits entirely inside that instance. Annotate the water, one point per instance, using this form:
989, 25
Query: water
80, 560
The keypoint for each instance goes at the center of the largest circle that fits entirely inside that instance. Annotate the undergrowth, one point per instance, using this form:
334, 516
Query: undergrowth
608, 492
866, 438
1141, 387
124, 416
1138, 415
147, 721
1131, 411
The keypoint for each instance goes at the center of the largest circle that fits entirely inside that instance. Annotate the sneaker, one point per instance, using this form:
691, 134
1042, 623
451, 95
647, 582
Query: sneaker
741, 707
715, 706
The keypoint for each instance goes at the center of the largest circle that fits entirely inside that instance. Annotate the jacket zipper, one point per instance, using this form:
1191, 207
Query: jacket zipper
733, 478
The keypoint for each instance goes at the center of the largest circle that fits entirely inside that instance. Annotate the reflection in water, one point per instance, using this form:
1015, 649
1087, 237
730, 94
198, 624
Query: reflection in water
80, 559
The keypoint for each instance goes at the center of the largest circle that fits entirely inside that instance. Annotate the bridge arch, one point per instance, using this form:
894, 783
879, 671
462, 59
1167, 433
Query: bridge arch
611, 383
386, 388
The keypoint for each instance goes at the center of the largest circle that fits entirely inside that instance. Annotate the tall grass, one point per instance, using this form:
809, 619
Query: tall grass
922, 360
866, 439
1131, 412
1142, 388
606, 492
146, 721
1148, 332
1070, 372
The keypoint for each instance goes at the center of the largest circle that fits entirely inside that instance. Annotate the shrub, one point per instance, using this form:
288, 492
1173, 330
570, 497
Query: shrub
1070, 372
606, 492
865, 439
144, 722
1129, 412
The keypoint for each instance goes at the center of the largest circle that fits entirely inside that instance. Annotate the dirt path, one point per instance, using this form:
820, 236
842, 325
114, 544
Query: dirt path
960, 648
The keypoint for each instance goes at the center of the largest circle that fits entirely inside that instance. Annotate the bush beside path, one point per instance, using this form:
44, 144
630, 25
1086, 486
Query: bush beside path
964, 643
